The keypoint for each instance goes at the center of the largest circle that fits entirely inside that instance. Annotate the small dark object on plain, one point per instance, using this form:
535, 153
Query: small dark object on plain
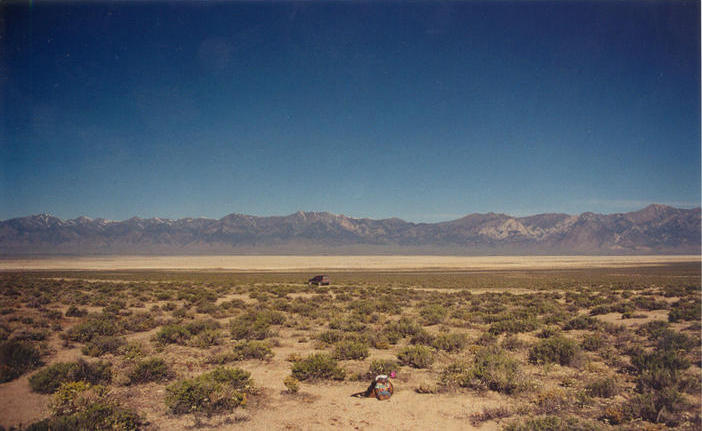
319, 280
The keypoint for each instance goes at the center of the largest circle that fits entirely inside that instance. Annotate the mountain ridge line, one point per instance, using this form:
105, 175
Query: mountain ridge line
655, 229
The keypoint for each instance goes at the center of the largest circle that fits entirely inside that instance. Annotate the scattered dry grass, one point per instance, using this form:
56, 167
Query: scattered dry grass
520, 348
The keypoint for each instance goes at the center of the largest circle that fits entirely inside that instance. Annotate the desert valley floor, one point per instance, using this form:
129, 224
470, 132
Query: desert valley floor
243, 342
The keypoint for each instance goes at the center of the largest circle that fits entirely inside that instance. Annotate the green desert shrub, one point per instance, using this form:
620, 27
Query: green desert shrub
68, 398
457, 373
317, 366
74, 311
594, 342
433, 314
600, 309
549, 331
48, 380
198, 326
416, 356
487, 338
685, 310
405, 327
378, 340
422, 337
292, 385
381, 366
649, 303
660, 380
206, 307
150, 370
103, 325
558, 349
172, 334
492, 368
132, 351
392, 335
673, 291
198, 333
669, 340
453, 342
16, 358
551, 401
350, 349
582, 322
222, 389
658, 370
53, 314
206, 338
98, 346
140, 322
606, 387
653, 329
79, 406
330, 336
255, 325
514, 326
252, 349
355, 323
180, 313
512, 343
658, 407
30, 334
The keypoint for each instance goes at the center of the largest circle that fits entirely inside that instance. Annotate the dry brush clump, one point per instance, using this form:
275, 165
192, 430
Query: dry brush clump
150, 370
492, 368
416, 356
201, 333
351, 349
49, 379
317, 366
605, 387
255, 325
101, 325
451, 342
18, 357
101, 345
82, 406
557, 349
433, 314
219, 390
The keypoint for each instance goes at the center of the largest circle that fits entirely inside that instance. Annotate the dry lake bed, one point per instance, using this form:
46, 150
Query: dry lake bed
336, 263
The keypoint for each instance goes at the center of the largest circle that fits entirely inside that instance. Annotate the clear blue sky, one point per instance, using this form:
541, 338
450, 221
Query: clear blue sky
423, 111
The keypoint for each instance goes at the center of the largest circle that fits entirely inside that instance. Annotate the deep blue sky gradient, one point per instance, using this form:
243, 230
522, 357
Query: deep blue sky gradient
424, 111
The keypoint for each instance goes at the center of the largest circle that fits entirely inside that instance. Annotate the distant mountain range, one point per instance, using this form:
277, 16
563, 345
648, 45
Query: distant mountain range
656, 229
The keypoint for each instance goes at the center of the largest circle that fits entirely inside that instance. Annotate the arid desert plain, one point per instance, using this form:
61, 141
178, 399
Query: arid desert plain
244, 342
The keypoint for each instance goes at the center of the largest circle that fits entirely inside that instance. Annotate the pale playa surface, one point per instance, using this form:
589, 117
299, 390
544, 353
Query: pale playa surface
337, 263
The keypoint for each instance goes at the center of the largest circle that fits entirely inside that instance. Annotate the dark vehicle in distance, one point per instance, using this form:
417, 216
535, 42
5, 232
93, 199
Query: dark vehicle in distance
319, 280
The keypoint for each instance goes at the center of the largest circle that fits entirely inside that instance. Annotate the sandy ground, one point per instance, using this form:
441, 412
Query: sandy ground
337, 263
325, 405
318, 406
18, 404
